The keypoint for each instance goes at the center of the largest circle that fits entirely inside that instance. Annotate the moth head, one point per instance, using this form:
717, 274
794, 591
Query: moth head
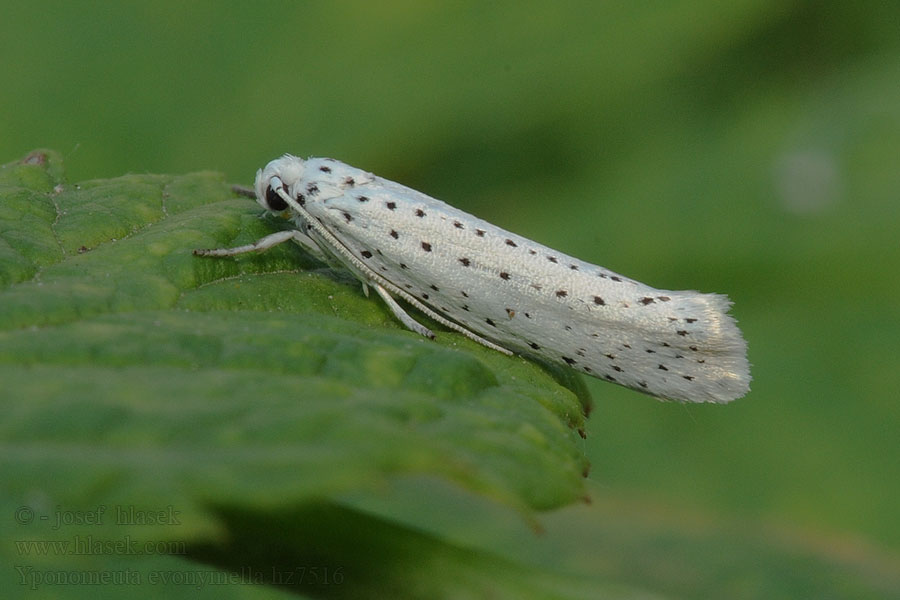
279, 175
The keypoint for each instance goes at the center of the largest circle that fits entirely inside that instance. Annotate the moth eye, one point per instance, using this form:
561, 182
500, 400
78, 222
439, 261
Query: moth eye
275, 201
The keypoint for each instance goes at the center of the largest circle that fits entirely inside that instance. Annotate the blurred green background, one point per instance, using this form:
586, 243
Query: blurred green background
748, 147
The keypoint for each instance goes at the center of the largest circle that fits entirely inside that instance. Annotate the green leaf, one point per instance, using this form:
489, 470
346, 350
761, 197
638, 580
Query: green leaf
138, 377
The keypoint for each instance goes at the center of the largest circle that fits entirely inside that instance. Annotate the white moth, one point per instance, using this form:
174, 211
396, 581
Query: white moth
503, 290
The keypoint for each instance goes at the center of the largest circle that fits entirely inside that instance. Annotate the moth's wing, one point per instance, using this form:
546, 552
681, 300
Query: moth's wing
686, 347
354, 221
525, 296
377, 223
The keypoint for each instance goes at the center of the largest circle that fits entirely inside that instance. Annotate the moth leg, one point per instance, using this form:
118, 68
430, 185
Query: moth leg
263, 244
419, 328
401, 314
